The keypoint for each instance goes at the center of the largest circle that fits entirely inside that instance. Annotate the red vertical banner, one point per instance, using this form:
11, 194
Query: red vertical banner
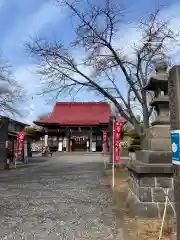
20, 144
118, 128
105, 142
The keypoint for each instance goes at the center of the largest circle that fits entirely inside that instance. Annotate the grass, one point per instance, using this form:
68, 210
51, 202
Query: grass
138, 228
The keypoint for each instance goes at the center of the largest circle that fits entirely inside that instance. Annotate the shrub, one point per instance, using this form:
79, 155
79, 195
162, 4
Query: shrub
135, 141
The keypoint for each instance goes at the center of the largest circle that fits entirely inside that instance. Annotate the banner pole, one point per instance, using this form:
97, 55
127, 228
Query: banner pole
113, 158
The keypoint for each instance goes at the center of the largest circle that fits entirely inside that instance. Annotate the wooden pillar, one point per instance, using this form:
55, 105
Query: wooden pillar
90, 140
4, 123
46, 140
67, 140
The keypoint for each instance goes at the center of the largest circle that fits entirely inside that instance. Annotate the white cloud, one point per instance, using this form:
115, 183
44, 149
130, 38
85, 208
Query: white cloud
26, 74
172, 13
30, 80
130, 34
48, 13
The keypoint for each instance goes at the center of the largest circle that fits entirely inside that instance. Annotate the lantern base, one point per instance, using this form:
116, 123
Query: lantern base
154, 157
148, 186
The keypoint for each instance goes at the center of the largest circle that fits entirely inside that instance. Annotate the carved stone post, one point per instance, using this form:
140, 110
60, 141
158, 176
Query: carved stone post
174, 103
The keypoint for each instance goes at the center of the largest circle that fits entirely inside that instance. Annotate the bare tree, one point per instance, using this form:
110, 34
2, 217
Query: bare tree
44, 116
11, 93
104, 65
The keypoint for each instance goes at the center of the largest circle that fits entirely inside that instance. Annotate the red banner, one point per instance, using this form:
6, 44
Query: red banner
105, 142
20, 144
118, 128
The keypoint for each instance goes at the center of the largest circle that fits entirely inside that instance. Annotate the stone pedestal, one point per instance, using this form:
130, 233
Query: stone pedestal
151, 173
148, 186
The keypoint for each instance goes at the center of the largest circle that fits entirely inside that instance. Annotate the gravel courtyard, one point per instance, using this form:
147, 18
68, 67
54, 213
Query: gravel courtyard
64, 197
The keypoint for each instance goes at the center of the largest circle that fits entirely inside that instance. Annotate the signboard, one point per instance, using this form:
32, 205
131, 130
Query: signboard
175, 143
118, 128
20, 144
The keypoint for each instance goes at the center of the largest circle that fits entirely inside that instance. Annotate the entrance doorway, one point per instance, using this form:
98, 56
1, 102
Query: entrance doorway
97, 141
79, 143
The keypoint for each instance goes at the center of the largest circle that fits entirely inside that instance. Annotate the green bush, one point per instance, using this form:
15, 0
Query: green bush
30, 130
134, 148
33, 132
136, 141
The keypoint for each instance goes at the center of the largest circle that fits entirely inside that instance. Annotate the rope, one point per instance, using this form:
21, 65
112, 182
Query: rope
163, 219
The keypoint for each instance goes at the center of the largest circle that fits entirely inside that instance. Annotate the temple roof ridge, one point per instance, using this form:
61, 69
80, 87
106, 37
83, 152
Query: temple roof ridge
78, 113
79, 102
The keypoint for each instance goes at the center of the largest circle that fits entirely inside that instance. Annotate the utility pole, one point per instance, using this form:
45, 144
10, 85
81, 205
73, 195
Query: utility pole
174, 107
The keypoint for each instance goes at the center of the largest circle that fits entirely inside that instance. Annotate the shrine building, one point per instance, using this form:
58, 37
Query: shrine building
76, 126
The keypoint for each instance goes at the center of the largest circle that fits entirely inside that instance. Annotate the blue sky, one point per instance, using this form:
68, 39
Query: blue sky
22, 19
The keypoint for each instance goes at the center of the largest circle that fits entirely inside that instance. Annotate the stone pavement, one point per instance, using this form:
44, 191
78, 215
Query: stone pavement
57, 198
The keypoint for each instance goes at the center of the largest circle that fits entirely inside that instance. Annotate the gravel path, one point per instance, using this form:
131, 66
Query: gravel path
61, 198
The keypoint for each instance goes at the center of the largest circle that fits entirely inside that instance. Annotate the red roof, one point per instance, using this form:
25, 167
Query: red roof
75, 113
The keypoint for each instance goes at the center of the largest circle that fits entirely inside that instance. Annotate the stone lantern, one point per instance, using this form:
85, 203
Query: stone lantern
159, 85
151, 172
156, 144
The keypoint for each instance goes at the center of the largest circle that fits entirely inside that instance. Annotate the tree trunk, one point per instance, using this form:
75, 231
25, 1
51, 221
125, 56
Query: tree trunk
145, 117
145, 110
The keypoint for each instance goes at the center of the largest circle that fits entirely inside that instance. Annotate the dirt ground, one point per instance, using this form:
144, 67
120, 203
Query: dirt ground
137, 228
